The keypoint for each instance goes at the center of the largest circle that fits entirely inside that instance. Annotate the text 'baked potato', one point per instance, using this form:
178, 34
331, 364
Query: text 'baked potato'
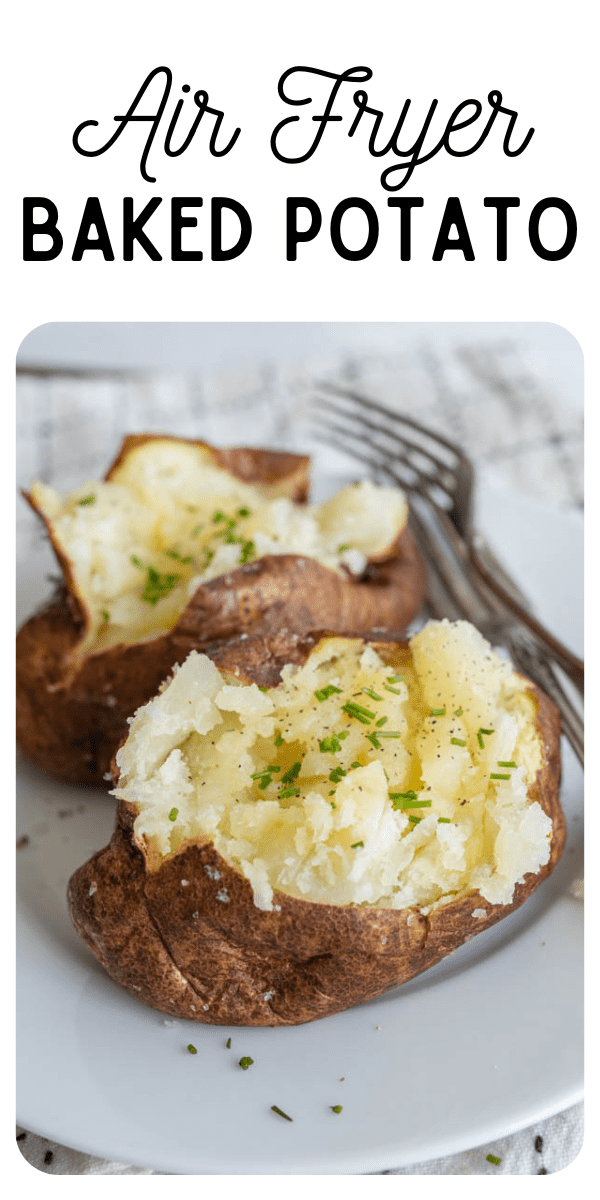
284, 853
181, 547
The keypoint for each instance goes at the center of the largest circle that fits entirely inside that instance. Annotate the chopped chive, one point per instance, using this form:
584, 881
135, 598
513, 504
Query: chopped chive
457, 742
444, 821
273, 767
245, 1063
415, 820
332, 792
480, 738
323, 693
388, 688
355, 845
493, 1158
158, 585
336, 1108
192, 1049
374, 740
382, 721
279, 740
105, 616
394, 678
402, 801
228, 1044
137, 562
372, 694
291, 791
337, 775
458, 712
292, 774
493, 776
87, 499
366, 712
262, 689
438, 712
389, 733
174, 813
344, 546
264, 782
364, 715
247, 552
329, 745
208, 557
243, 512
332, 802
343, 735
506, 764
280, 1112
196, 530
354, 765
218, 516
172, 552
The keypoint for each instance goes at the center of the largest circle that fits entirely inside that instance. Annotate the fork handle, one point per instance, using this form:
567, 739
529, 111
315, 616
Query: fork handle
571, 665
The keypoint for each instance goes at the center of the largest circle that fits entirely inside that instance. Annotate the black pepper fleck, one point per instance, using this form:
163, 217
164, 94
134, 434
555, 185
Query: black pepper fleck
48, 1157
539, 1143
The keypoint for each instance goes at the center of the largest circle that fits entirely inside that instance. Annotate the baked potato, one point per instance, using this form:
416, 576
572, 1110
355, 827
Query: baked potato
181, 547
294, 839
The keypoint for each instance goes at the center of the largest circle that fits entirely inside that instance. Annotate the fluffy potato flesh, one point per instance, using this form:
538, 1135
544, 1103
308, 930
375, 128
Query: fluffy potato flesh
170, 518
388, 777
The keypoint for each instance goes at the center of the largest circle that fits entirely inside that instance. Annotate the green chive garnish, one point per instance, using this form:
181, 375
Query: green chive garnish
173, 553
480, 738
87, 499
192, 1049
493, 1159
218, 516
174, 813
344, 546
196, 530
337, 1108
388, 688
444, 821
438, 712
415, 820
389, 733
323, 693
157, 585
291, 791
228, 1044
382, 721
354, 765
136, 561
404, 800
280, 1112
364, 715
279, 740
492, 776
374, 740
262, 689
458, 712
248, 551
105, 616
506, 764
245, 1063
394, 678
333, 805
243, 512
372, 694
337, 775
330, 745
292, 774
355, 845
457, 742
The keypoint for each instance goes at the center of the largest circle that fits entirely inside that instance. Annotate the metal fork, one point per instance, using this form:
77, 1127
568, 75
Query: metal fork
466, 580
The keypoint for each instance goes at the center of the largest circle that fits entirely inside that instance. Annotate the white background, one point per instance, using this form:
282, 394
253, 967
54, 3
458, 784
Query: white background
67, 63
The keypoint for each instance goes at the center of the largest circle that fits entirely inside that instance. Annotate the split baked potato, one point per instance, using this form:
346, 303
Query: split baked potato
180, 547
294, 839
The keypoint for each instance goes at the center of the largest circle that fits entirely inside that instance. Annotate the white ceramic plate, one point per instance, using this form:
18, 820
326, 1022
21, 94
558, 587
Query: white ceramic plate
487, 1042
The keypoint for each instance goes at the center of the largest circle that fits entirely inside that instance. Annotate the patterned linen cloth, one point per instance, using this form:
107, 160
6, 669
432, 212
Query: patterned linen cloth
490, 398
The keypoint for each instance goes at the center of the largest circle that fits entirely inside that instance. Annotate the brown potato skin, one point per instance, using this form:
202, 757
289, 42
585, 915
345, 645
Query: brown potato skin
70, 722
200, 949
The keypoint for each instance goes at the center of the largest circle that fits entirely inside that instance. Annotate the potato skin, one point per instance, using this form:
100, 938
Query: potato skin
187, 938
69, 723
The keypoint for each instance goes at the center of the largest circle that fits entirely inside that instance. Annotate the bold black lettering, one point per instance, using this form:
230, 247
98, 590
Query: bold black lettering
132, 115
31, 227
454, 124
93, 216
405, 204
217, 253
570, 232
501, 204
179, 222
372, 235
453, 215
292, 234
133, 229
495, 99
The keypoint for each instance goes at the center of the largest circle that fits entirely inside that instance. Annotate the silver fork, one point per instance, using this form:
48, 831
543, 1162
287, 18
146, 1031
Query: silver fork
466, 580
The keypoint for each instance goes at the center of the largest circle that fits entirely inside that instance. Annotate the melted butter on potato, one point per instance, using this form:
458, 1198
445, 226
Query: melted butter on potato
302, 791
170, 518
